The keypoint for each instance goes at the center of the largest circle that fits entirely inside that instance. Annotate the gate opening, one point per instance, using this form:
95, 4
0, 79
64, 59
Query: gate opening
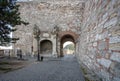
68, 48
67, 45
46, 47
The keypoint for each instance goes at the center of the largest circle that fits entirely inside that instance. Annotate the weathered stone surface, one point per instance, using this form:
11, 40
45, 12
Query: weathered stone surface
95, 44
104, 35
100, 24
98, 37
115, 68
47, 14
106, 63
97, 23
115, 31
112, 22
105, 75
115, 56
114, 39
114, 46
116, 79
102, 45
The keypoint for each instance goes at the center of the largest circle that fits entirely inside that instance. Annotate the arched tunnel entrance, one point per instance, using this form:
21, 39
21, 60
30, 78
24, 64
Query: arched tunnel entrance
46, 47
70, 45
68, 48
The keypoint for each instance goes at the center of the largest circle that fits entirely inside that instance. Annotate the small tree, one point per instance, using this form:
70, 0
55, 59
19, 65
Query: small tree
9, 18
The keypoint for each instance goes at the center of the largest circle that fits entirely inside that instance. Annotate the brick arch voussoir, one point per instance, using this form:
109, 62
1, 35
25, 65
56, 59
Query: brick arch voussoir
63, 33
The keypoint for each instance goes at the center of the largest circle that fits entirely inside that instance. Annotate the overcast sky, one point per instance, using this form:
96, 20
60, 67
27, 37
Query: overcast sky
24, 0
67, 43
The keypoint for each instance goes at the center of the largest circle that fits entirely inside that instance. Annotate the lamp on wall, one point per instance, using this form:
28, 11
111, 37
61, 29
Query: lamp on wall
36, 32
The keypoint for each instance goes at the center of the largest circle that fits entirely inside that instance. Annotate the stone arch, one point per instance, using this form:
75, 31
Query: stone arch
66, 36
46, 47
63, 33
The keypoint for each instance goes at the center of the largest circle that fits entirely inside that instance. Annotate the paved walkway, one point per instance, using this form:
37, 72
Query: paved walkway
62, 69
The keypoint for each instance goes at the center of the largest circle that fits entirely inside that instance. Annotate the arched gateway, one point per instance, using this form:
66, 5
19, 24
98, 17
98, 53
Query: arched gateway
64, 39
46, 47
67, 36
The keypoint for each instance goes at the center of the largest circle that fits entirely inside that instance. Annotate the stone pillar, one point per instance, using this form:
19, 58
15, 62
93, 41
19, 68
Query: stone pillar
14, 51
54, 53
34, 46
58, 49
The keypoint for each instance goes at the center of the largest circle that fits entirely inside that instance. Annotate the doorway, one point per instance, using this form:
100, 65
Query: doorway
68, 48
46, 47
67, 45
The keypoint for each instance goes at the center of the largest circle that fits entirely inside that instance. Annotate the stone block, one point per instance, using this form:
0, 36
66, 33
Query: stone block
116, 79
104, 35
115, 68
112, 22
104, 62
98, 37
105, 75
115, 56
102, 45
95, 44
113, 15
99, 28
102, 53
115, 31
107, 55
105, 15
114, 39
114, 46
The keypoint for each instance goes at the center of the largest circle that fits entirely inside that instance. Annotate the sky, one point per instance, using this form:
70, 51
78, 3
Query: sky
3, 47
24, 0
67, 43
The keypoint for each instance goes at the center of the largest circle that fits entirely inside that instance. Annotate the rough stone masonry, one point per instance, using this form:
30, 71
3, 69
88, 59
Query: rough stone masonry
97, 23
46, 14
99, 41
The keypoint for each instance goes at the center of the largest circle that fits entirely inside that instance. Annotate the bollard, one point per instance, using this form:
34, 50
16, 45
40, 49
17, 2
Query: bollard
41, 58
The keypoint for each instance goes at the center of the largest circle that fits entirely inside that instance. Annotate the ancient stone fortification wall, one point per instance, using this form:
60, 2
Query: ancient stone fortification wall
99, 46
99, 40
47, 14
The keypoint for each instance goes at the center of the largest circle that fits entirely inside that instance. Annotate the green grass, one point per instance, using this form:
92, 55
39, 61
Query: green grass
5, 69
4, 63
9, 63
84, 70
87, 79
85, 73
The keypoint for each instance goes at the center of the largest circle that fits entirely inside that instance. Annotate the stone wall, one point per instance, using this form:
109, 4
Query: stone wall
99, 42
47, 14
98, 45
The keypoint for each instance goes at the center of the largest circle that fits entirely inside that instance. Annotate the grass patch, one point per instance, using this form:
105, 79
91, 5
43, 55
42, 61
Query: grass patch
10, 63
85, 73
5, 69
84, 70
4, 63
89, 76
87, 79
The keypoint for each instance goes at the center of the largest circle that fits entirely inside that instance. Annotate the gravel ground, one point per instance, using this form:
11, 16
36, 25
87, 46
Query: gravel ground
61, 69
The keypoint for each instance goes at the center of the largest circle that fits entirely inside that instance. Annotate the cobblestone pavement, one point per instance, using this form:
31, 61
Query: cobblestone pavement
61, 69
